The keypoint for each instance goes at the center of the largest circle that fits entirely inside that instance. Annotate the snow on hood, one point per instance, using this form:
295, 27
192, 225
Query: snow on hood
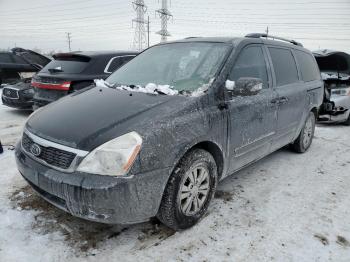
149, 88
152, 88
101, 83
202, 89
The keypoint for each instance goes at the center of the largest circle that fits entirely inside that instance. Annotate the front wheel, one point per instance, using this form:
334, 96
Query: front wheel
304, 140
190, 188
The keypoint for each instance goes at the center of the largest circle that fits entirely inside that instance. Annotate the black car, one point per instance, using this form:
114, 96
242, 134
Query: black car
69, 72
167, 126
16, 69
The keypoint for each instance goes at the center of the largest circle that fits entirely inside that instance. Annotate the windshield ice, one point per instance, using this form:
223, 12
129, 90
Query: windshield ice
184, 67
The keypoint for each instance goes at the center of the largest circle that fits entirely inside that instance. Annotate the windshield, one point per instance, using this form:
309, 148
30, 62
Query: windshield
65, 66
183, 66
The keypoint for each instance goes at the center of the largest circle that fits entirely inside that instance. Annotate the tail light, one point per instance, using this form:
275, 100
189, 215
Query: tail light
64, 86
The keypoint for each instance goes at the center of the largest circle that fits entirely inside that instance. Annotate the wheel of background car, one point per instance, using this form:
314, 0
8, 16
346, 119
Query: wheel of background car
304, 140
189, 191
347, 122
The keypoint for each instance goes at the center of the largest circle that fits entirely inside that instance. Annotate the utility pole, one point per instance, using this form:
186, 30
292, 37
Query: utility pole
164, 15
148, 31
140, 35
69, 40
267, 31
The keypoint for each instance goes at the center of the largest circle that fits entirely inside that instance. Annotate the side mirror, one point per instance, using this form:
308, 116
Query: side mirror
244, 86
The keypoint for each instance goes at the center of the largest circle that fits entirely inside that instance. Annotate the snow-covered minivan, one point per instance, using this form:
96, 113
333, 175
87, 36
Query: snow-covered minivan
157, 135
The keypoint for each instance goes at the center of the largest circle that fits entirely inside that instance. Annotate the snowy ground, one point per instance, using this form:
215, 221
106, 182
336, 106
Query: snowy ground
286, 207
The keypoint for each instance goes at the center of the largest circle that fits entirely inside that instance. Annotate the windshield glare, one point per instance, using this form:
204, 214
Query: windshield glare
183, 66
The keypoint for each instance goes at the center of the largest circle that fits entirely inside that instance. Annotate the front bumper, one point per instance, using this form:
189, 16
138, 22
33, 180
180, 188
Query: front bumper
20, 103
339, 113
111, 200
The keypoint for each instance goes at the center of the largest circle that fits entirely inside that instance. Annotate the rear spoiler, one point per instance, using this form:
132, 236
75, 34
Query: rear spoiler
71, 57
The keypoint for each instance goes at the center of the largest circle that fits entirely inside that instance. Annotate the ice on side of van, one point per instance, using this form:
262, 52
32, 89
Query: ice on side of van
257, 87
101, 83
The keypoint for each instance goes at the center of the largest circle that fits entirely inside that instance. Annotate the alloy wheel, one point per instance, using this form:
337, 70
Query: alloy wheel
194, 190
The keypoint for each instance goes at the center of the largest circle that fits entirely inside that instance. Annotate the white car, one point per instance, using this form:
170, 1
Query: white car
335, 71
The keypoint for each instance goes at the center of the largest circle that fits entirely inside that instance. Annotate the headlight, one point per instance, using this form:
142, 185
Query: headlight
341, 91
113, 158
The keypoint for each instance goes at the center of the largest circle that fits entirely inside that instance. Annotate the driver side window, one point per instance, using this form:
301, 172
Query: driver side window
250, 63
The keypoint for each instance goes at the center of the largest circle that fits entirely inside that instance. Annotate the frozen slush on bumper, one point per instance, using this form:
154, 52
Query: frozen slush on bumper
106, 199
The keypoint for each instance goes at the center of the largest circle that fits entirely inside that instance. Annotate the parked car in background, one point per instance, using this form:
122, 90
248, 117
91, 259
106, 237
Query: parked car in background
168, 125
69, 72
16, 69
335, 71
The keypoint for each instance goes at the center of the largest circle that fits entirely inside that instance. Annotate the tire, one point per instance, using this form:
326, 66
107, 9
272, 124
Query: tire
181, 214
347, 122
304, 140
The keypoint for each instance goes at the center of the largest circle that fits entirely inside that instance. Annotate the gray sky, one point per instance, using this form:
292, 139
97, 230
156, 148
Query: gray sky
106, 24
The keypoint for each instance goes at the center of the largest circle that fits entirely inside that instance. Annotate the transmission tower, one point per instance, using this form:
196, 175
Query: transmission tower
164, 15
69, 40
140, 34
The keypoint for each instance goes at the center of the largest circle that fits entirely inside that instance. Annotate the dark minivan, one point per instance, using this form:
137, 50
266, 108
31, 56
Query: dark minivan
69, 72
158, 135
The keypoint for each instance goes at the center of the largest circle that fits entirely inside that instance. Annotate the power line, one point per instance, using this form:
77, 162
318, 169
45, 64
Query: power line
52, 7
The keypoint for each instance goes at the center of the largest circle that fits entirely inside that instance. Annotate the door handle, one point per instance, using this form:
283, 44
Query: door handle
274, 101
279, 100
222, 106
283, 100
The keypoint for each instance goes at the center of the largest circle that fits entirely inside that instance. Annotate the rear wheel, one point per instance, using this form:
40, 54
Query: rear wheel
189, 190
304, 140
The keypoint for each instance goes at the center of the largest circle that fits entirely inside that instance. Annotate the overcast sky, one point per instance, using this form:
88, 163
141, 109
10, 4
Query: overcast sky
106, 24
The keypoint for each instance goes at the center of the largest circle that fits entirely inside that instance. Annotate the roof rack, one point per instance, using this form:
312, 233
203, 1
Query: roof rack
259, 35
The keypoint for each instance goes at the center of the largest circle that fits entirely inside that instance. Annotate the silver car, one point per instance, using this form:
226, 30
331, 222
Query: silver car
335, 71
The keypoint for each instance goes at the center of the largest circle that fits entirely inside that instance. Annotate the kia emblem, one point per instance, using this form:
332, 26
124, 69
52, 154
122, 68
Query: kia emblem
35, 149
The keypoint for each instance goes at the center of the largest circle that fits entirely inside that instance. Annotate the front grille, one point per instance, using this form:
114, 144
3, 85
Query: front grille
52, 156
10, 93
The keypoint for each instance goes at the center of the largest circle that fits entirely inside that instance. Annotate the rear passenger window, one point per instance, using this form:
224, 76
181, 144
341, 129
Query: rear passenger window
284, 66
118, 62
308, 67
250, 63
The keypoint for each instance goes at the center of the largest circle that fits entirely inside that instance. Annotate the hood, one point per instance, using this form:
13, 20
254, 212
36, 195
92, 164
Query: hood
22, 85
93, 116
24, 60
33, 58
330, 61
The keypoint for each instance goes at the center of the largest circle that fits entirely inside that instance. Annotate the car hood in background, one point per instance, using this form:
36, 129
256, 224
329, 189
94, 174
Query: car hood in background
333, 61
91, 117
33, 62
